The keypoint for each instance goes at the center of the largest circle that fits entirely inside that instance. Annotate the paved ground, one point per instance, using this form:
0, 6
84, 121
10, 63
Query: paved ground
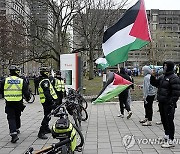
104, 132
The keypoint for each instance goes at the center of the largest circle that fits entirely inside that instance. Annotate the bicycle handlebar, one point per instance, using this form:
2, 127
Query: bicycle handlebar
53, 146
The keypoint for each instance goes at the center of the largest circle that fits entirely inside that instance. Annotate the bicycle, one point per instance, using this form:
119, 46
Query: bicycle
80, 98
52, 149
75, 109
65, 132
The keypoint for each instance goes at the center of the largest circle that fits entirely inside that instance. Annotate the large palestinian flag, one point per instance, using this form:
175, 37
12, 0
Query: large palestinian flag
114, 86
131, 32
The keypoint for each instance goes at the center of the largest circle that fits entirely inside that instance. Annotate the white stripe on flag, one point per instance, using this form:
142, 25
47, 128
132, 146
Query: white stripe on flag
118, 40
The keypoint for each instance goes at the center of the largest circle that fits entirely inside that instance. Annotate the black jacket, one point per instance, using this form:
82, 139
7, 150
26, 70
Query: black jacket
168, 86
127, 77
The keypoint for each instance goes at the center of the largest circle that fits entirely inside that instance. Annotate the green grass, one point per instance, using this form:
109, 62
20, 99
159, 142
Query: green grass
93, 87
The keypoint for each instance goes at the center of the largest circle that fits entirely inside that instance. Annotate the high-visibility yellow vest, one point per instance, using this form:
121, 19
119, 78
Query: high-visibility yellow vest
59, 85
41, 92
178, 69
13, 89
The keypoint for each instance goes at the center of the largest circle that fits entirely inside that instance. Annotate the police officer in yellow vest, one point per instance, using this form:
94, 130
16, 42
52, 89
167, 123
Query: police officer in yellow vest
59, 86
13, 89
47, 98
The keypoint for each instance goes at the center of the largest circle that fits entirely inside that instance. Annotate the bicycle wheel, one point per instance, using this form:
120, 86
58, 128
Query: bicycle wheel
76, 119
84, 114
32, 98
83, 102
79, 136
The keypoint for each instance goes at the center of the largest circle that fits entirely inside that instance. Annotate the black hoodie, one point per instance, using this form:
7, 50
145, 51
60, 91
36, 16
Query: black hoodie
168, 85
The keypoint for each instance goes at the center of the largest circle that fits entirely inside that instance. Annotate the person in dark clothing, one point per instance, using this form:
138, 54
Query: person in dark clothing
36, 84
13, 89
123, 96
48, 97
168, 94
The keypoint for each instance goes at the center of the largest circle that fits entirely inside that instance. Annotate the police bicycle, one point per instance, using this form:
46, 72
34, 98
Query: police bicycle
79, 97
75, 109
69, 136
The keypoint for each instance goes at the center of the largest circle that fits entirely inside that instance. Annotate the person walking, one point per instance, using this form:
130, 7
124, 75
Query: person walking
13, 89
59, 86
168, 94
123, 96
149, 93
48, 97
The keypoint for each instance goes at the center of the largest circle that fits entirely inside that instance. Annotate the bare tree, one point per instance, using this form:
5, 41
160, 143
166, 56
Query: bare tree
12, 45
48, 36
90, 24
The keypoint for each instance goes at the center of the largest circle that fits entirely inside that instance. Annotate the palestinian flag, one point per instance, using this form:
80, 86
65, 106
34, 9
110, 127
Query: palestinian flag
114, 86
102, 63
131, 32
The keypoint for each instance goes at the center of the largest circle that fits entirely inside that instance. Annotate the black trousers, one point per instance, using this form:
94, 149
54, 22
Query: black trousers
13, 117
36, 92
45, 122
123, 102
167, 117
60, 97
148, 105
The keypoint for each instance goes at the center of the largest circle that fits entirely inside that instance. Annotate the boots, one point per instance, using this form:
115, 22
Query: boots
42, 136
14, 137
48, 130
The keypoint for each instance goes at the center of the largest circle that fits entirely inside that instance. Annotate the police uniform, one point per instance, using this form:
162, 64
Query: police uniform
13, 89
47, 96
59, 87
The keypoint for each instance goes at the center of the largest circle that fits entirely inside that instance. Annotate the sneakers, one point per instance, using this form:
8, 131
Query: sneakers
143, 121
129, 114
147, 123
120, 115
168, 144
14, 137
164, 138
158, 123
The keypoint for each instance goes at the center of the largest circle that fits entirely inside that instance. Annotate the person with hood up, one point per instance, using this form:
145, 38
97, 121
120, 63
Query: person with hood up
168, 93
123, 96
149, 93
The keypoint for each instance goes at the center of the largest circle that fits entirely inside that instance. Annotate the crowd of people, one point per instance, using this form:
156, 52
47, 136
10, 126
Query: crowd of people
167, 88
51, 90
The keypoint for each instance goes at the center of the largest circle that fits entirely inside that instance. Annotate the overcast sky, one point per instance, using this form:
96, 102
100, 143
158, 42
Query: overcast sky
161, 4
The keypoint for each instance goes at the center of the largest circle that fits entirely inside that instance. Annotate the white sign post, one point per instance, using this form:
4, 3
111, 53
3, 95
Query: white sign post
69, 69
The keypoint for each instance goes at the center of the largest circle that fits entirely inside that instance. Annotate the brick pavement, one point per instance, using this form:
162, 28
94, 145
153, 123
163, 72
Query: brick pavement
104, 131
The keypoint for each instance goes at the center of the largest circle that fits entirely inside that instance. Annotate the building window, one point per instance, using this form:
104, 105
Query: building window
154, 26
154, 18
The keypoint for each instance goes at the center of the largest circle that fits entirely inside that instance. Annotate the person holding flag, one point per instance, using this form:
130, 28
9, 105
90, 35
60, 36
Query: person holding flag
123, 96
